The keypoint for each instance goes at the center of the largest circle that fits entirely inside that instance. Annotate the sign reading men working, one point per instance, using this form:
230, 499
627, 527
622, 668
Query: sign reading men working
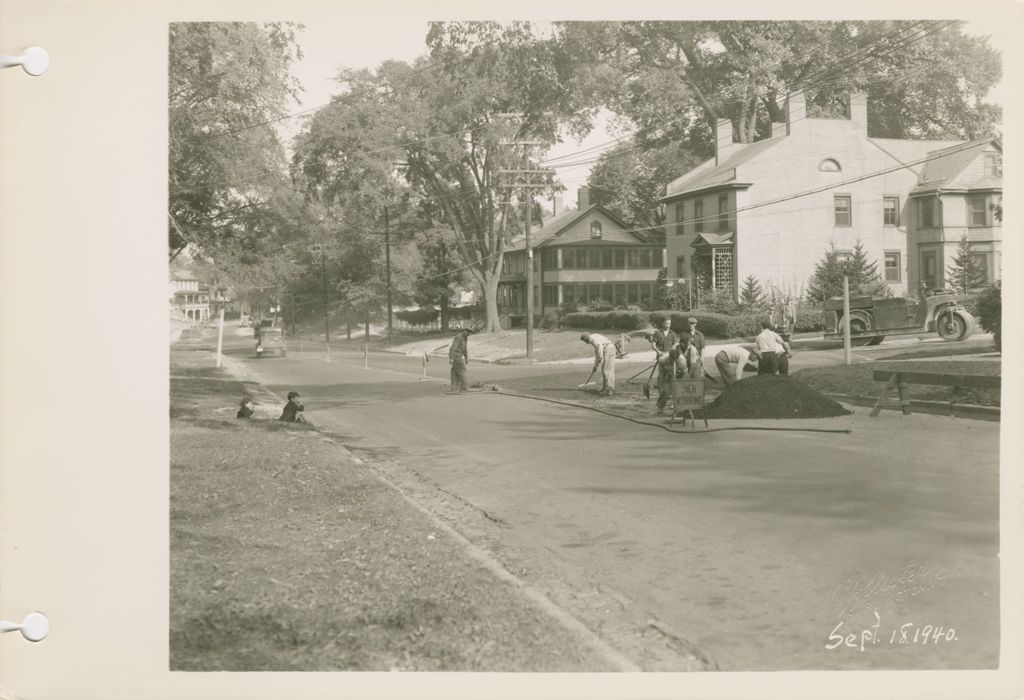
688, 394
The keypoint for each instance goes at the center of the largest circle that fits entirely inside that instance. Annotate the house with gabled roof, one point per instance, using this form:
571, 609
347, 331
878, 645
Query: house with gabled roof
772, 208
959, 193
583, 255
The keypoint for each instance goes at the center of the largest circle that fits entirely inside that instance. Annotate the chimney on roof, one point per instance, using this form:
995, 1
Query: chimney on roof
583, 198
857, 110
556, 205
796, 110
723, 140
778, 129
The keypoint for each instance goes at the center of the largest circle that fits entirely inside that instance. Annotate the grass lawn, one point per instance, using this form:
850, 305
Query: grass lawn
286, 554
856, 380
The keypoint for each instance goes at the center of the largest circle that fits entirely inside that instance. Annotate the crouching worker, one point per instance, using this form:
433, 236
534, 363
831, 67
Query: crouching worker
731, 361
293, 409
245, 409
604, 357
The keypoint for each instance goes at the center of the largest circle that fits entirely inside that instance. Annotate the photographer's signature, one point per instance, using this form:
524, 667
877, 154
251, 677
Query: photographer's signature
859, 593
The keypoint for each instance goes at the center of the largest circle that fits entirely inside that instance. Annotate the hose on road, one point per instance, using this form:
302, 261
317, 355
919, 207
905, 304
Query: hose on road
501, 392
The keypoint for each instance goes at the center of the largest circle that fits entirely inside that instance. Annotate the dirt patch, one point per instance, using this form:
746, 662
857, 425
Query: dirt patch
773, 397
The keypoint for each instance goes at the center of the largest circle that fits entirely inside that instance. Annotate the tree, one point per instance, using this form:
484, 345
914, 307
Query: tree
864, 278
964, 273
670, 295
442, 118
990, 309
751, 294
629, 180
441, 273
675, 80
227, 81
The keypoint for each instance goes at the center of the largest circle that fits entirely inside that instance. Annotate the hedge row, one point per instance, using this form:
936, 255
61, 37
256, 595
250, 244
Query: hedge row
620, 320
418, 317
711, 324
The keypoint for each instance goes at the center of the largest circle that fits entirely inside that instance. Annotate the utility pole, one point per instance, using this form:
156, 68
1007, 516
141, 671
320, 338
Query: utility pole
527, 189
322, 249
847, 359
528, 203
387, 269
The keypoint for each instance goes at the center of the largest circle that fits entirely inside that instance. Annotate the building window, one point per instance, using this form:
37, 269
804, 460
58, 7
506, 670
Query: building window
891, 211
620, 259
607, 258
698, 215
977, 211
829, 165
631, 259
594, 259
550, 259
595, 229
928, 213
679, 219
723, 212
843, 206
645, 258
993, 165
658, 258
893, 271
680, 266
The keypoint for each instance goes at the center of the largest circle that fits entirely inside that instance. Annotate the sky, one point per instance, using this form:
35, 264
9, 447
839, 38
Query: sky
328, 46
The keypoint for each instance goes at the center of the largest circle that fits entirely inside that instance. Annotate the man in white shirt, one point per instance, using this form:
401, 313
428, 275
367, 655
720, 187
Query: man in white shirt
769, 347
604, 357
730, 362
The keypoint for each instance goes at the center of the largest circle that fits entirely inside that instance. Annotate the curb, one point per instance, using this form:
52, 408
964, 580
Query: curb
937, 408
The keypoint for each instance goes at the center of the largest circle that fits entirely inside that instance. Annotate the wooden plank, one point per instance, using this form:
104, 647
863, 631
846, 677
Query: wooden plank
885, 394
972, 381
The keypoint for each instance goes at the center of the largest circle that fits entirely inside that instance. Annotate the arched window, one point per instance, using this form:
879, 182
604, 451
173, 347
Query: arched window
595, 229
829, 165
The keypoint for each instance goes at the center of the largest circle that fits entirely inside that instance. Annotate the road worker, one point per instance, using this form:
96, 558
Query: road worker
604, 357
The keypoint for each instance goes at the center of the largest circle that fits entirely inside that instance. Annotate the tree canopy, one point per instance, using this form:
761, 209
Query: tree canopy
228, 192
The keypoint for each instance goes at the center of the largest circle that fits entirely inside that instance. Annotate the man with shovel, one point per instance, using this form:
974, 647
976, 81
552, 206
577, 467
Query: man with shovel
604, 357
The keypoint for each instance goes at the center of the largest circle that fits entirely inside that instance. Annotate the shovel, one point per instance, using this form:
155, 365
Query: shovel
584, 384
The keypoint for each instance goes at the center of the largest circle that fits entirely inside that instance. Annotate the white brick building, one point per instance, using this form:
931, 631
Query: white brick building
771, 208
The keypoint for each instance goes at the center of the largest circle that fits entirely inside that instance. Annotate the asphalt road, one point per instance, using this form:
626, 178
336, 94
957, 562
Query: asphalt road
748, 550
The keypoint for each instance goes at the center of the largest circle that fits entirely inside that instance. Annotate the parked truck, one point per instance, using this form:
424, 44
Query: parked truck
874, 318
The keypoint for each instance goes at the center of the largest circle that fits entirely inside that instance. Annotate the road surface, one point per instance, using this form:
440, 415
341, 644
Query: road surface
742, 550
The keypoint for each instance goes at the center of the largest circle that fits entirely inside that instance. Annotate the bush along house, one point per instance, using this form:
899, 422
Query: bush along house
773, 207
582, 256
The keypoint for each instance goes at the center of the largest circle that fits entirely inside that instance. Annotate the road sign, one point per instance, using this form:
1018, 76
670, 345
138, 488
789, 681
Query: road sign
688, 394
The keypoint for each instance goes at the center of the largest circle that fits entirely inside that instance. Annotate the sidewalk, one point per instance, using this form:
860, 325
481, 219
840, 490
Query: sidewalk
290, 553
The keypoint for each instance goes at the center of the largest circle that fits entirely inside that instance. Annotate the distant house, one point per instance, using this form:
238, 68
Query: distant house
191, 299
583, 256
771, 208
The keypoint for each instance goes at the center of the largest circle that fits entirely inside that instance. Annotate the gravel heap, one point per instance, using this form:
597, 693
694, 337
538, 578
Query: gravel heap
772, 397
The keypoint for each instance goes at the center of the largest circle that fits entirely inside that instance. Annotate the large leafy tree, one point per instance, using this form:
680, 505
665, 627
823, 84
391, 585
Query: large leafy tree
629, 180
675, 80
445, 119
229, 196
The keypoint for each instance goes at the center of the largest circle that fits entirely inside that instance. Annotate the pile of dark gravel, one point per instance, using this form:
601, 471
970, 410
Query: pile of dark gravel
772, 397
